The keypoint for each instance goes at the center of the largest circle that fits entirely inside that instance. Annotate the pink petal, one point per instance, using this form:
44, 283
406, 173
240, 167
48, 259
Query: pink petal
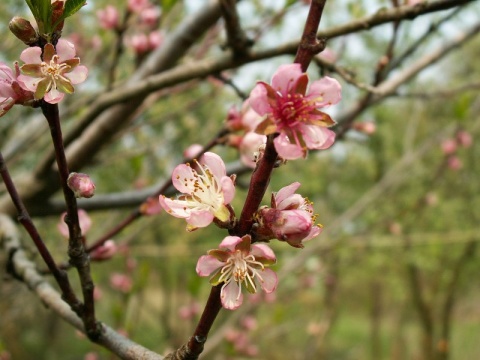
208, 264
77, 75
229, 296
32, 55
230, 242
286, 191
183, 178
328, 89
292, 202
316, 230
317, 137
286, 77
65, 50
263, 250
174, 207
270, 280
215, 164
53, 96
259, 99
84, 220
286, 149
228, 189
200, 218
28, 83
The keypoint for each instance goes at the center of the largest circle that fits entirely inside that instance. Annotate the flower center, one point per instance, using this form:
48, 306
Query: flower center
54, 70
293, 110
206, 189
242, 269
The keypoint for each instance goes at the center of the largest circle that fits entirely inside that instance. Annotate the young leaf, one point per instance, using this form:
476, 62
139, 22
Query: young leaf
72, 6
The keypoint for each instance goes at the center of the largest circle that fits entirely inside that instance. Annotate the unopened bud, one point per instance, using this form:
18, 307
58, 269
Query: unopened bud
81, 185
23, 30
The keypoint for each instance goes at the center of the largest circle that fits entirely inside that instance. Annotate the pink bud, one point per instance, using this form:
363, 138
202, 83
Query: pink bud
137, 5
83, 219
328, 55
105, 251
139, 43
192, 151
249, 322
155, 39
150, 16
97, 293
449, 146
366, 127
151, 206
81, 185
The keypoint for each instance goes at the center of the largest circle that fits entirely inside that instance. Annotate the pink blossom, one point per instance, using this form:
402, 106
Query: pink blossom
206, 192
139, 43
328, 55
121, 282
150, 16
108, 17
454, 163
366, 127
464, 139
449, 146
55, 74
290, 218
188, 312
83, 219
291, 111
192, 151
11, 91
244, 119
155, 39
249, 322
81, 185
238, 263
138, 5
105, 251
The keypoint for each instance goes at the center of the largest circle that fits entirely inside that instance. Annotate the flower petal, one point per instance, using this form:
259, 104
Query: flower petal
77, 75
228, 189
207, 265
259, 99
229, 296
264, 251
286, 192
287, 150
53, 96
317, 137
32, 55
28, 83
285, 78
328, 89
215, 164
183, 178
198, 219
269, 280
230, 242
65, 50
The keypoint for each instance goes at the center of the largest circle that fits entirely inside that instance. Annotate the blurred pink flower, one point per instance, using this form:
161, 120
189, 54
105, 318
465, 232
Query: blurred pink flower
454, 163
105, 251
449, 146
464, 139
366, 127
11, 90
83, 218
108, 17
249, 322
237, 262
206, 192
290, 218
138, 5
188, 312
249, 146
328, 55
54, 74
139, 43
151, 206
192, 151
155, 39
121, 282
291, 111
150, 16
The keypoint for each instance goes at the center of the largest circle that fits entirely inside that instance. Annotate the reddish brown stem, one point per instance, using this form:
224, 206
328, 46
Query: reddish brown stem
60, 276
78, 257
310, 45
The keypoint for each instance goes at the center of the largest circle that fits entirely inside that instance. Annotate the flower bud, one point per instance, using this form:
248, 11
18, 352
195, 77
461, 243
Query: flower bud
81, 185
105, 251
23, 30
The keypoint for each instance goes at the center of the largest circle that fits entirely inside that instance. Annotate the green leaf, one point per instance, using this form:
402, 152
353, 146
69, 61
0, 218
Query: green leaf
72, 6
167, 5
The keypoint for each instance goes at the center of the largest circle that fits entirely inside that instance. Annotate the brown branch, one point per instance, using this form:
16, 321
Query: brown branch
78, 257
237, 40
60, 276
25, 271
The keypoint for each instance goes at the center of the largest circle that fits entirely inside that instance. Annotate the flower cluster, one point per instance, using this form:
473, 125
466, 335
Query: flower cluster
293, 112
237, 263
206, 190
290, 218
